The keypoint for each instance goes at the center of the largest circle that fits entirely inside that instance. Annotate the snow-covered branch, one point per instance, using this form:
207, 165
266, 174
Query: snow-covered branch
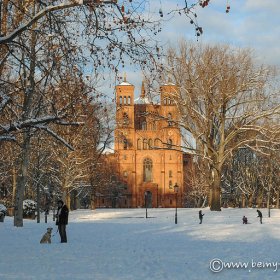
55, 135
65, 5
17, 125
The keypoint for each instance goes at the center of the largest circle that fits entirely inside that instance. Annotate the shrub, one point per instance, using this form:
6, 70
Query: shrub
29, 207
3, 209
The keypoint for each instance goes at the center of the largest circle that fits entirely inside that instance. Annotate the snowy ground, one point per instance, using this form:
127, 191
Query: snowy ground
122, 244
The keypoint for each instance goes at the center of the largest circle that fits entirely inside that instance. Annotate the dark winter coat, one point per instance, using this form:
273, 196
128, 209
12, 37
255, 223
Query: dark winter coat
259, 213
62, 218
200, 215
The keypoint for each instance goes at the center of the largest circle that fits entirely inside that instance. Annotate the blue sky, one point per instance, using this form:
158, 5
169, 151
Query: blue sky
251, 24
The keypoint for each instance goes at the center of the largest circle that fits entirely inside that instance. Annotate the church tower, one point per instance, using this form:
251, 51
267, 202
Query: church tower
124, 116
147, 147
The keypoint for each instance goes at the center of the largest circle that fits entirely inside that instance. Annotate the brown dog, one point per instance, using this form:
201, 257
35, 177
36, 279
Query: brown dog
47, 237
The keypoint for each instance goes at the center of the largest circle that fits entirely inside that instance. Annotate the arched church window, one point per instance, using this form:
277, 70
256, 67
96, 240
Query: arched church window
120, 100
147, 170
169, 143
145, 144
128, 100
144, 125
124, 100
125, 119
139, 144
125, 144
150, 144
170, 184
167, 101
157, 143
170, 173
169, 119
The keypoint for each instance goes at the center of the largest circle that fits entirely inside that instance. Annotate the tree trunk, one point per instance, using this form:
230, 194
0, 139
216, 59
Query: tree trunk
243, 201
204, 202
216, 199
21, 180
216, 192
14, 185
277, 199
76, 202
250, 204
210, 196
199, 202
92, 202
67, 199
25, 149
260, 200
38, 202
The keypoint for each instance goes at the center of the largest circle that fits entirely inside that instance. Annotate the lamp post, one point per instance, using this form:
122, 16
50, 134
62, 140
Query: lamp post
146, 206
176, 189
269, 185
157, 195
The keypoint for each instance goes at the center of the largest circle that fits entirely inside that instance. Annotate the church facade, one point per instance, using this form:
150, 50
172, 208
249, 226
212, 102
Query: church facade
147, 148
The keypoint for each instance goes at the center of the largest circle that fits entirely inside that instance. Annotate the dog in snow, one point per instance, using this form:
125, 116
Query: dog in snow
47, 237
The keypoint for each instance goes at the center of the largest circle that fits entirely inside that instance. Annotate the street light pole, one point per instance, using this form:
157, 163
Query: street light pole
268, 201
269, 184
157, 195
176, 211
146, 204
176, 189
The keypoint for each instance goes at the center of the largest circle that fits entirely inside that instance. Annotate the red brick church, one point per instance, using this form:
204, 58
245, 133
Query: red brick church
147, 147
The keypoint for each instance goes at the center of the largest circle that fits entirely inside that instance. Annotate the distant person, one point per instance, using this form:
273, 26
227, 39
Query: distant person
259, 215
62, 220
245, 220
200, 215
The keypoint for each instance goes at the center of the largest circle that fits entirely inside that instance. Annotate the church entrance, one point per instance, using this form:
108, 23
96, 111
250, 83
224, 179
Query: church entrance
148, 198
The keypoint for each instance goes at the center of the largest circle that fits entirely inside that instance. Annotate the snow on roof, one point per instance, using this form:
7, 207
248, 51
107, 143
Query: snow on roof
169, 84
125, 84
141, 100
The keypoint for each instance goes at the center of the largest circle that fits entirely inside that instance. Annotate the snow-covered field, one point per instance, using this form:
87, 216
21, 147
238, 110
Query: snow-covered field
122, 244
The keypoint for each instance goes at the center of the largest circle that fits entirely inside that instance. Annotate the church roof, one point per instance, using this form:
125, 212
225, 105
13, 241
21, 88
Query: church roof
169, 84
142, 100
125, 83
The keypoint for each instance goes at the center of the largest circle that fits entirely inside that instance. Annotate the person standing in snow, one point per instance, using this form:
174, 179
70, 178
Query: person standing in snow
259, 215
245, 220
200, 215
62, 220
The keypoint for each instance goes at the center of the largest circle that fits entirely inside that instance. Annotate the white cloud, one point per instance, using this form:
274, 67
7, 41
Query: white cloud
250, 23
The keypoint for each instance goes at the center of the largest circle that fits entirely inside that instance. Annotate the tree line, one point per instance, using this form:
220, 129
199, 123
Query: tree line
55, 125
230, 106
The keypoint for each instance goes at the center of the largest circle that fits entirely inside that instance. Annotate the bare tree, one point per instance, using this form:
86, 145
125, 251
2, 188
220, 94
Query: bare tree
197, 184
241, 178
18, 13
8, 167
78, 167
41, 50
223, 99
